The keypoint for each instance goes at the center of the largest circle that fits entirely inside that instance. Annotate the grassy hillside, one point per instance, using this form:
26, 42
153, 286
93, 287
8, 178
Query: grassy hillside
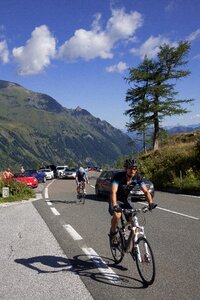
35, 128
176, 164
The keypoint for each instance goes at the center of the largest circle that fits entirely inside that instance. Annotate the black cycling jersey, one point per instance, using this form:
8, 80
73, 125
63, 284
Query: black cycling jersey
81, 176
124, 188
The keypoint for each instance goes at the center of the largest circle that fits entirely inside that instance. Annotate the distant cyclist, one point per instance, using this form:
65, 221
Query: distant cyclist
123, 182
81, 177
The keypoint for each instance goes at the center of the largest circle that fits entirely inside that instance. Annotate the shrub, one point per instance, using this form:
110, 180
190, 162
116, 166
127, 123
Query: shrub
17, 191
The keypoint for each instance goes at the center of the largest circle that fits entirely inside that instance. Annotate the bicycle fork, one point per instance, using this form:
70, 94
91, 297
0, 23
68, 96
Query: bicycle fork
139, 231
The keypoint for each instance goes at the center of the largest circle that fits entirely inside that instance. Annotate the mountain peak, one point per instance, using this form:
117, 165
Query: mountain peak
81, 112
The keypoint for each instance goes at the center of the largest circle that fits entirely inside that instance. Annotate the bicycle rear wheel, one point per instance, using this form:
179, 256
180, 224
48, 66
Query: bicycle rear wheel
145, 260
117, 250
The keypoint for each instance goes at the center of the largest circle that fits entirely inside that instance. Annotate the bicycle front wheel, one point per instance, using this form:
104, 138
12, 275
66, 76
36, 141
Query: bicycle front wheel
145, 260
83, 199
117, 249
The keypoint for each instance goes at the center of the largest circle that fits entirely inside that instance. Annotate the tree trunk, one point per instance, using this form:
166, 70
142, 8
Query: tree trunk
144, 141
156, 133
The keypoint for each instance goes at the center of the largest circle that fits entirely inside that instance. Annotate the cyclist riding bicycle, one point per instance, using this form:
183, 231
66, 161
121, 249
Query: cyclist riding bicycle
122, 183
81, 178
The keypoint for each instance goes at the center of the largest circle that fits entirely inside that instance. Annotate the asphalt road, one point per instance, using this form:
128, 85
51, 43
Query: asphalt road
81, 231
53, 248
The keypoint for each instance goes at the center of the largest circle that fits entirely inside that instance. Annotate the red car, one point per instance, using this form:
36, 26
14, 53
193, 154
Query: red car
29, 180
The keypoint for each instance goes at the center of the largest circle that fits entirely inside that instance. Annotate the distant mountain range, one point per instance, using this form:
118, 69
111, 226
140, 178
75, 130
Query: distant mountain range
181, 128
35, 128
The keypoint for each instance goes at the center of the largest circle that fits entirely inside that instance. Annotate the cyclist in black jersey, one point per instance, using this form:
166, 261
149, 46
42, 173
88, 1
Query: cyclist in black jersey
81, 177
122, 183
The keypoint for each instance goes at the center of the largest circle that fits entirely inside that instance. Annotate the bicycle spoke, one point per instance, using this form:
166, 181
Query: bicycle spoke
145, 261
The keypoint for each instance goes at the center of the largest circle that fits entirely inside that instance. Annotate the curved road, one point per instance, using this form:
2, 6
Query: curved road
81, 231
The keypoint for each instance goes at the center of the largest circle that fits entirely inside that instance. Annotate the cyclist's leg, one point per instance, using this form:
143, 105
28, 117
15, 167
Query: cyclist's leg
84, 186
78, 187
114, 223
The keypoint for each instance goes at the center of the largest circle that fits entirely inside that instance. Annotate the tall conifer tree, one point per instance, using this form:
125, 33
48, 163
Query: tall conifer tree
153, 96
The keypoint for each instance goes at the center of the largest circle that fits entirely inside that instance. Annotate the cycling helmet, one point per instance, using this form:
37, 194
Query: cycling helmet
129, 163
81, 170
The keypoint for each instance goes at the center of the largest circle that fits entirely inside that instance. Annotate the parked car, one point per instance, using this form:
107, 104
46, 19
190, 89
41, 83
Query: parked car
60, 170
30, 181
98, 169
49, 173
41, 176
69, 173
103, 186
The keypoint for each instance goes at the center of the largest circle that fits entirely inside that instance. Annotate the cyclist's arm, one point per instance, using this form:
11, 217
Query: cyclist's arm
76, 179
147, 193
114, 194
87, 180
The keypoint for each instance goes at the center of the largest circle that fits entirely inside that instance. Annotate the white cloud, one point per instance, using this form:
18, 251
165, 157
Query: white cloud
36, 54
151, 47
98, 42
194, 35
170, 6
120, 67
4, 53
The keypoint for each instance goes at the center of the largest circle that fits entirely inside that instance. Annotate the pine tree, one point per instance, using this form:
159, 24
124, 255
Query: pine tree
153, 96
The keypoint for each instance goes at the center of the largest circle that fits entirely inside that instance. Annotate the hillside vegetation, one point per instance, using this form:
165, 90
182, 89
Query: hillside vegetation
35, 128
176, 164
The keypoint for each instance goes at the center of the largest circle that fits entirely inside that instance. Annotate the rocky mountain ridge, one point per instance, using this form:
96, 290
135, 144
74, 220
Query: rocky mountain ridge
34, 127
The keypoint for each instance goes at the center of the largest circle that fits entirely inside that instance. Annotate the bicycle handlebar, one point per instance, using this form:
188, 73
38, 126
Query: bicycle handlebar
144, 209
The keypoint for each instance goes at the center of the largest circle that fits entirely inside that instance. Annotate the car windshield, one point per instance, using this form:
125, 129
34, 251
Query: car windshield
45, 170
70, 170
60, 168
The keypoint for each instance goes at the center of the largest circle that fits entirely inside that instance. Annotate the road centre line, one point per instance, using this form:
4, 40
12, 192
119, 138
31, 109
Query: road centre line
72, 232
101, 265
174, 212
46, 192
97, 260
54, 210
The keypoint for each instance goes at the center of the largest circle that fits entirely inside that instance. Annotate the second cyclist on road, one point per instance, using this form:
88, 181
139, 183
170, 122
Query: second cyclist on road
81, 178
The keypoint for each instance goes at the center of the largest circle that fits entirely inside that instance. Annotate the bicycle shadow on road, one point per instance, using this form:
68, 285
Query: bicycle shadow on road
93, 197
80, 265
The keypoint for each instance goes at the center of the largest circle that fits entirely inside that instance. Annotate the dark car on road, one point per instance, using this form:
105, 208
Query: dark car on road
103, 186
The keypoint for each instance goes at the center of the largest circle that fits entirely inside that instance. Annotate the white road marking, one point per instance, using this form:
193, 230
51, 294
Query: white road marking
92, 186
193, 196
49, 202
73, 233
54, 210
46, 192
174, 212
101, 265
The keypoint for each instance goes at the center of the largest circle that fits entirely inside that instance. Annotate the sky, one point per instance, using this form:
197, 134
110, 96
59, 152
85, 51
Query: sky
79, 51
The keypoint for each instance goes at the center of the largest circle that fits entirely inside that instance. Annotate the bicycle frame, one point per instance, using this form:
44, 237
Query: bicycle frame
136, 230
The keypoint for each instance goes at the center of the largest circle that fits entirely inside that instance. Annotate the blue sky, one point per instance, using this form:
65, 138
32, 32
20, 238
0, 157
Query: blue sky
79, 51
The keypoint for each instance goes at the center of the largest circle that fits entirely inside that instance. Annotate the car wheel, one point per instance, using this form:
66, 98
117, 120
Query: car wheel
97, 191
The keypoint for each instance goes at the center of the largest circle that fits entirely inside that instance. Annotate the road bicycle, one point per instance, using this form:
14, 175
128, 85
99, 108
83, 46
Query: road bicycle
81, 195
131, 238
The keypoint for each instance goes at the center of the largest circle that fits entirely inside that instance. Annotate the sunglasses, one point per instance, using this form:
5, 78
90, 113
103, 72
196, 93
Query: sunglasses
133, 168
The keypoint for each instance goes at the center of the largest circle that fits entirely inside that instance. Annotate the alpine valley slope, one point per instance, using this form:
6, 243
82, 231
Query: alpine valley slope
35, 128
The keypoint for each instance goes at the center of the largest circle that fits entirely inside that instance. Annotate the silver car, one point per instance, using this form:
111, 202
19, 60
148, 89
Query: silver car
69, 173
